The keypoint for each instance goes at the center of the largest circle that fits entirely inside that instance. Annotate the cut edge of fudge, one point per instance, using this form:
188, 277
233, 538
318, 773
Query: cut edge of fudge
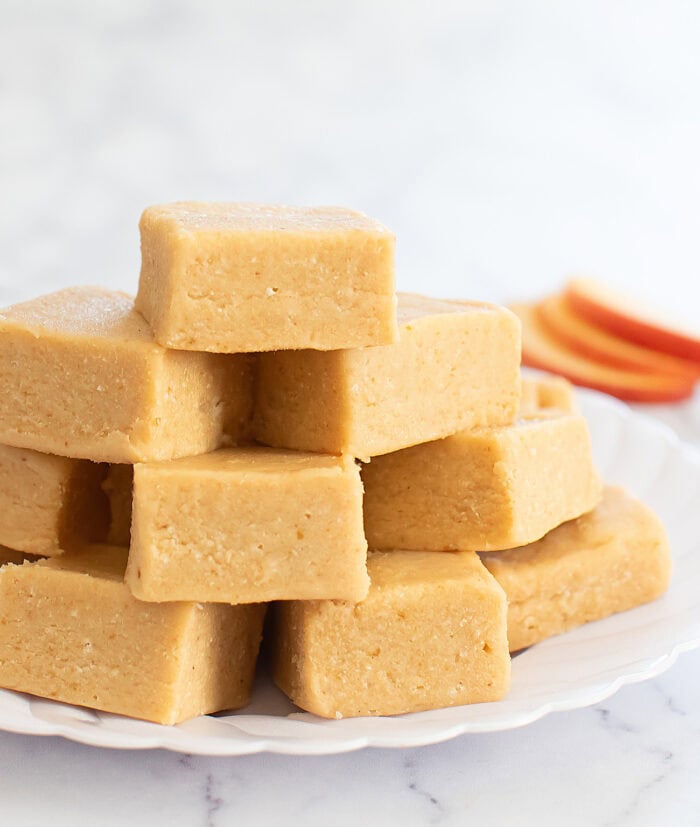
398, 602
215, 517
124, 398
483, 488
610, 560
230, 240
340, 401
197, 648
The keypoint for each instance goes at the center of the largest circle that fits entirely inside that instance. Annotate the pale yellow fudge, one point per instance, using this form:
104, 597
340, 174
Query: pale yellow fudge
247, 525
71, 630
482, 489
431, 633
454, 367
48, 503
545, 392
610, 560
118, 486
81, 376
238, 278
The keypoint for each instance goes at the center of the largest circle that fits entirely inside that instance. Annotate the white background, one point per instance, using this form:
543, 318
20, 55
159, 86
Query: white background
508, 145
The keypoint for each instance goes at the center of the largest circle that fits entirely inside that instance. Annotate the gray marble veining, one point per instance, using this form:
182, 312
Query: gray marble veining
630, 761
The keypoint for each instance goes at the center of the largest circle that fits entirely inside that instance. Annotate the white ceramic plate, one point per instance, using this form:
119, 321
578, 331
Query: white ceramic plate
568, 672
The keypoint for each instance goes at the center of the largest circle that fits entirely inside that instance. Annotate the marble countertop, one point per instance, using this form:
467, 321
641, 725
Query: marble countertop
508, 145
633, 760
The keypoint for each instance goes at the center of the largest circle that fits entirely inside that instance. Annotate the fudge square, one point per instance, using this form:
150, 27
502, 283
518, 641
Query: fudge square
612, 559
454, 367
81, 376
431, 633
236, 278
546, 392
248, 525
70, 630
482, 489
50, 503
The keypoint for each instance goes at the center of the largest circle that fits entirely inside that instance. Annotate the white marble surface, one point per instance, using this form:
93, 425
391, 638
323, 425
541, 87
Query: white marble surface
630, 761
507, 144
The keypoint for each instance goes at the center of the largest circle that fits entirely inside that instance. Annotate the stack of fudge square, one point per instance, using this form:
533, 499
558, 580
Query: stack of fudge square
268, 426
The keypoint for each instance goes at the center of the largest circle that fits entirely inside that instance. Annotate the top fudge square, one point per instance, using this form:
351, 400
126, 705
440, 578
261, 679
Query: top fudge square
239, 278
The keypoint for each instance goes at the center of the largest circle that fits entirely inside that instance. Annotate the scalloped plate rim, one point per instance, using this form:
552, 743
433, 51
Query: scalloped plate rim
321, 742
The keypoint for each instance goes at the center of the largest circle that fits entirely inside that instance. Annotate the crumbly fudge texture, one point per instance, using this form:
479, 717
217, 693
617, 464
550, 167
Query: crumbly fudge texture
454, 367
81, 376
546, 392
9, 555
431, 633
247, 525
70, 630
482, 489
612, 559
237, 278
48, 503
118, 486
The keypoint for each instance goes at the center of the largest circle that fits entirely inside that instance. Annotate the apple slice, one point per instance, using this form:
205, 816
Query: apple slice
625, 317
542, 350
557, 314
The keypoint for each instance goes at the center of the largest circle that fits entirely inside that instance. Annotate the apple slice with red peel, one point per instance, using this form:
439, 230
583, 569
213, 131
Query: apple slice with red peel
542, 350
559, 317
625, 317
